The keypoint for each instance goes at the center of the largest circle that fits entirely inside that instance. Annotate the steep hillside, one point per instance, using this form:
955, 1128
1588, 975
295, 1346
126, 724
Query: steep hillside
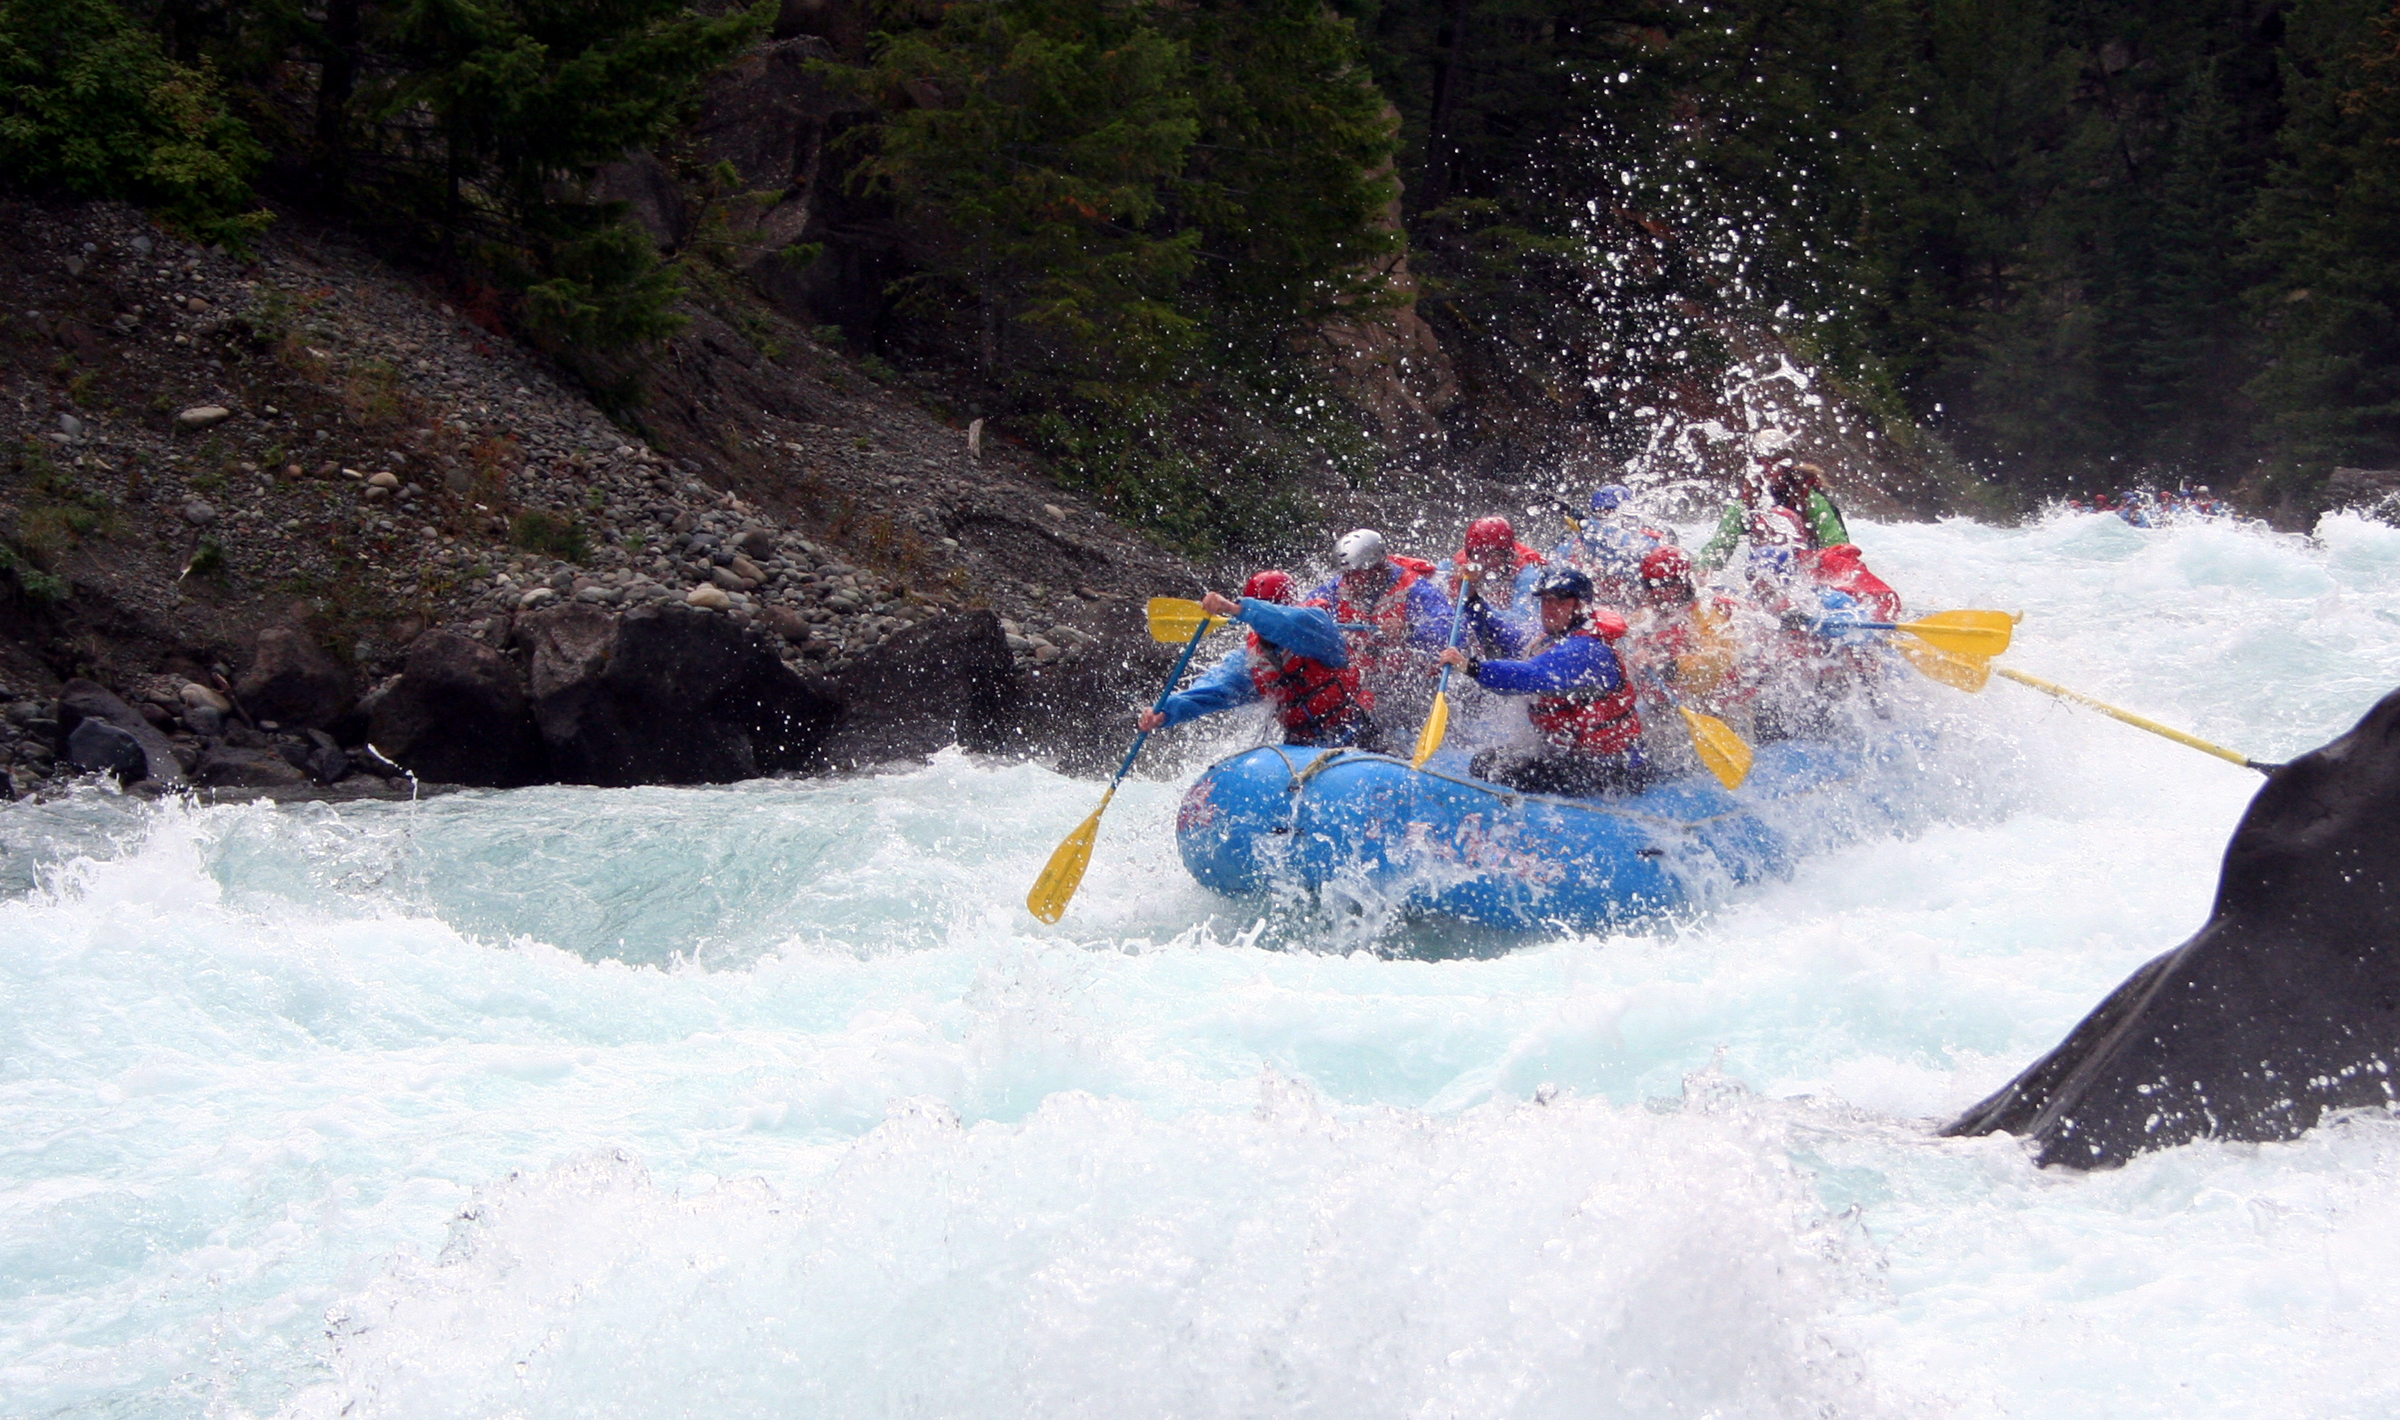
203, 447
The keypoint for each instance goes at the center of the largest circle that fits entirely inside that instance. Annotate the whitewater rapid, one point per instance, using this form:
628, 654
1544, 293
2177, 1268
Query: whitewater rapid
771, 1100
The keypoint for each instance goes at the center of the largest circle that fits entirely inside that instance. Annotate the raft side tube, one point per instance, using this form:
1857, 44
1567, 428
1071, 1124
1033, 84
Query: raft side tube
1440, 842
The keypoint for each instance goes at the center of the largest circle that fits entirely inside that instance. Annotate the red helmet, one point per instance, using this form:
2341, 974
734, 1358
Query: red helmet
1666, 565
1490, 535
1270, 586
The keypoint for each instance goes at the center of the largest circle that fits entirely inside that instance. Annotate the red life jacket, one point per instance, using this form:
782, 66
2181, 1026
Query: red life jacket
1589, 719
1310, 697
1839, 567
1388, 615
1497, 590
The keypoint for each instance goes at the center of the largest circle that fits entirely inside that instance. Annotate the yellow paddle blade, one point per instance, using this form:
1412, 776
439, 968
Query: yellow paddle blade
1967, 673
1055, 888
1173, 619
1969, 633
1437, 725
1726, 754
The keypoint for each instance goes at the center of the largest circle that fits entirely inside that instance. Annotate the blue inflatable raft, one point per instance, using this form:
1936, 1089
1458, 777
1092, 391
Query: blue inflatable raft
1437, 842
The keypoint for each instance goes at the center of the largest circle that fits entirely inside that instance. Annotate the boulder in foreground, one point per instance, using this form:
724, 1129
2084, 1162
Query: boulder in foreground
2284, 1007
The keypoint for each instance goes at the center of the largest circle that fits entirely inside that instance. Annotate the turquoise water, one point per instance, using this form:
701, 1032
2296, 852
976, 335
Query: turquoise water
770, 1100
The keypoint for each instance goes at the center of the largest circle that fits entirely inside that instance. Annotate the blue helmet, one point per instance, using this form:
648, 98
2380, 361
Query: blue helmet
1563, 582
1610, 496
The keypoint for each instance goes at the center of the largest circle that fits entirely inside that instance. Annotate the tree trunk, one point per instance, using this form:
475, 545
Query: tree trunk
987, 345
337, 80
1449, 76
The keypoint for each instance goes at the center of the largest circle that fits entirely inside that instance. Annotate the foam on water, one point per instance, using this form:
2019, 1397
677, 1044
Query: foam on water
770, 1100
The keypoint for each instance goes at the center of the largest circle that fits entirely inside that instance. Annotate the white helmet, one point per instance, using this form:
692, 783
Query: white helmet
1360, 550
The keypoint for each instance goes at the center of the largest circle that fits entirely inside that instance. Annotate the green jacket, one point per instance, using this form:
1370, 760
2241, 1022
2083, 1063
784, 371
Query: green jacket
1823, 519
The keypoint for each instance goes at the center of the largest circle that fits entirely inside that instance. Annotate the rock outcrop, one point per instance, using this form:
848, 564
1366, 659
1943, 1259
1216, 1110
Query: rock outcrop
2285, 1006
1389, 360
2374, 491
294, 681
457, 715
1080, 714
99, 745
667, 695
228, 766
81, 700
947, 681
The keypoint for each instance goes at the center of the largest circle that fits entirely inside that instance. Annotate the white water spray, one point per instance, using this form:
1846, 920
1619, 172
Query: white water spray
769, 1100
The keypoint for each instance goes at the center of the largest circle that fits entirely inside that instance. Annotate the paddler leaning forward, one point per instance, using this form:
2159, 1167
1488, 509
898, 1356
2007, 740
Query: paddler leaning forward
1295, 660
1579, 700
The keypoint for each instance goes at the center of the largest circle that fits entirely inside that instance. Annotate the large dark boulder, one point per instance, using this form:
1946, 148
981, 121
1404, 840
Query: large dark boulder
2286, 1005
457, 715
81, 700
948, 681
294, 681
101, 746
667, 695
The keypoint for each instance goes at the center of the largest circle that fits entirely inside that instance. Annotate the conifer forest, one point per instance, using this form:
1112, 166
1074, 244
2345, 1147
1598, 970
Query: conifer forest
2051, 245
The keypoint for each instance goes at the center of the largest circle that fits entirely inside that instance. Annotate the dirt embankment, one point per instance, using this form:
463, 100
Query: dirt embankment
200, 447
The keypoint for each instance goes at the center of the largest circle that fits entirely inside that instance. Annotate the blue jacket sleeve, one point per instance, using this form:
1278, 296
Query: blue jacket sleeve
1507, 633
1428, 615
1574, 663
1304, 630
1223, 686
1528, 577
1839, 619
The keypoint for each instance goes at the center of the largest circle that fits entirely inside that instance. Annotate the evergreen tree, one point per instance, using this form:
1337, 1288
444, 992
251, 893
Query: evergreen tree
1135, 210
2194, 350
1030, 153
90, 105
2328, 229
485, 118
1287, 181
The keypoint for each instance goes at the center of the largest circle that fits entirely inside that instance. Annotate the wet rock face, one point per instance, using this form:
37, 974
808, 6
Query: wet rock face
82, 700
667, 695
225, 766
2286, 1005
948, 681
457, 715
99, 745
293, 681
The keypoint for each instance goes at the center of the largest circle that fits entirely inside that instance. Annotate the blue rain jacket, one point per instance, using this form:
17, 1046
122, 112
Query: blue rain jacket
1574, 663
1303, 630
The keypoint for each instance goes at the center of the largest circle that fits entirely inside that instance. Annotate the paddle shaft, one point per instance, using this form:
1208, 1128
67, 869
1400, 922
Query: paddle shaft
1173, 677
1912, 627
2139, 722
1458, 623
1437, 719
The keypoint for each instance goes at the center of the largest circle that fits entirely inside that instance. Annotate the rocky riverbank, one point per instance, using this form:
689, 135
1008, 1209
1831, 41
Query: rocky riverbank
279, 505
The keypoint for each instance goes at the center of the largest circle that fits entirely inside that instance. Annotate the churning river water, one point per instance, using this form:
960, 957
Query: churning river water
771, 1100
